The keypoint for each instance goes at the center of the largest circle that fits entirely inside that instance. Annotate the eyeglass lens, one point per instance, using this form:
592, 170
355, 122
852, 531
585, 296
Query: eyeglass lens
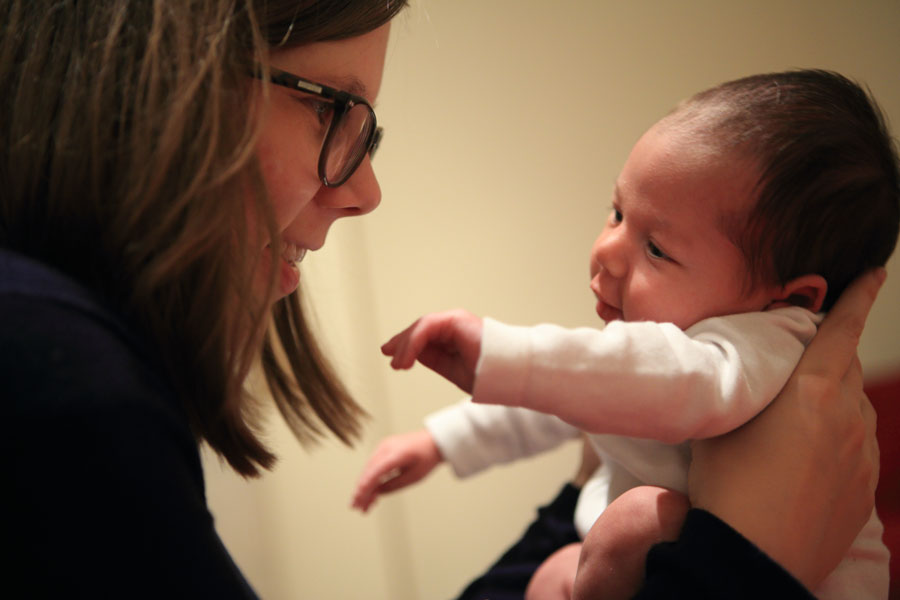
348, 144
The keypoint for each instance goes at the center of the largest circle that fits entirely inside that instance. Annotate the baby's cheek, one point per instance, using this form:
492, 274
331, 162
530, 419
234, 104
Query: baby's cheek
681, 309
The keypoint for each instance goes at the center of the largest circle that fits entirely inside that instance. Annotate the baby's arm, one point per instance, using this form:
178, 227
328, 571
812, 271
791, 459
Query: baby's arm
645, 380
397, 462
469, 437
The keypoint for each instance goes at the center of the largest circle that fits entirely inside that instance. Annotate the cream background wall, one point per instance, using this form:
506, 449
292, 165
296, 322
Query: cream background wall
506, 124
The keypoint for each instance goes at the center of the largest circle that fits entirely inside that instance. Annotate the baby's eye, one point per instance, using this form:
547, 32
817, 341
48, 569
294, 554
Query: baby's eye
654, 251
616, 216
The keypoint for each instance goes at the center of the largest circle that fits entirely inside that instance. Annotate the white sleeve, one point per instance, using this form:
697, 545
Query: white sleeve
472, 437
643, 379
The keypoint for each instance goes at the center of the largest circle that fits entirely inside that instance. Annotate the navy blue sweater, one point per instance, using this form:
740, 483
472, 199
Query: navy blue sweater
107, 497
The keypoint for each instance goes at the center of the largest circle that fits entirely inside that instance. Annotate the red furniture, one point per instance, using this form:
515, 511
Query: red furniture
885, 396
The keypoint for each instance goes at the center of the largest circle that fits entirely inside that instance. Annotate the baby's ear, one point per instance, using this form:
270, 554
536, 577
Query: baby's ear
806, 291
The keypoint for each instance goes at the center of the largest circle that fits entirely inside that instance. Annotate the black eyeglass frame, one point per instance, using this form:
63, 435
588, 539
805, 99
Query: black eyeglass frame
343, 102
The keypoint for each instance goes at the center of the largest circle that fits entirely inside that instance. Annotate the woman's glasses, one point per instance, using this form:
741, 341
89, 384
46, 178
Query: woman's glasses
352, 131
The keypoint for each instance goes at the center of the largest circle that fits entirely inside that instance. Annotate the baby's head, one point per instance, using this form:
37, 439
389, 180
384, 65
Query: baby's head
827, 199
768, 190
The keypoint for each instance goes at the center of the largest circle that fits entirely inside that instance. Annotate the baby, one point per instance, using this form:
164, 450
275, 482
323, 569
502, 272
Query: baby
737, 219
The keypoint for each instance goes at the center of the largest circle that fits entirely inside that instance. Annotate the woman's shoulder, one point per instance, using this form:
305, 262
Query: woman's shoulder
63, 351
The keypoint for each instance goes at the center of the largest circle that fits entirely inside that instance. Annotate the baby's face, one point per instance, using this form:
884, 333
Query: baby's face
662, 255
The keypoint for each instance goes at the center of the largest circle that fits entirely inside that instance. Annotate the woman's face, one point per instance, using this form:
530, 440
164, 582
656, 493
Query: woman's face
290, 140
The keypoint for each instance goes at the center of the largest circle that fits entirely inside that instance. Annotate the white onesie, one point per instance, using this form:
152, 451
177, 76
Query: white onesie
642, 390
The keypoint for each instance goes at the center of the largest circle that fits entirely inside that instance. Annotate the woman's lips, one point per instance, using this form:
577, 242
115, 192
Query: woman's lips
289, 277
288, 267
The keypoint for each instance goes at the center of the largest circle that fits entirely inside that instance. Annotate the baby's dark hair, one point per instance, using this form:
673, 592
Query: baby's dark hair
828, 192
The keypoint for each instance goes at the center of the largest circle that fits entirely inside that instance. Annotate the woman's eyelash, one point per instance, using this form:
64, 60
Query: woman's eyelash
320, 108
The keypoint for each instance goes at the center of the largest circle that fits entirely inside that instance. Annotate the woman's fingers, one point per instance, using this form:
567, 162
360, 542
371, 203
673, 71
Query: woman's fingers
834, 346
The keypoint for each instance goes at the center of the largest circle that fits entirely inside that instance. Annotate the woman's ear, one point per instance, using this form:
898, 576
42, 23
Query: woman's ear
806, 291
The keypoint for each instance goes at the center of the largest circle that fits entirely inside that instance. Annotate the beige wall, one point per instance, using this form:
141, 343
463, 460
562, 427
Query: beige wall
507, 122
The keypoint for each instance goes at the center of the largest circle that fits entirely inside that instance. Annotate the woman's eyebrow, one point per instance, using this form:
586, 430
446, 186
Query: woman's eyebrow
349, 84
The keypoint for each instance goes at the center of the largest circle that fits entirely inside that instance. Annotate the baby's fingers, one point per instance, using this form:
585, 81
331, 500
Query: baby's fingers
396, 480
406, 346
384, 461
367, 492
396, 344
364, 494
389, 348
362, 501
401, 349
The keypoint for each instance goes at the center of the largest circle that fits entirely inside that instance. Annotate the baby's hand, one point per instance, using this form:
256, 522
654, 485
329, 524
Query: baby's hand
448, 343
397, 462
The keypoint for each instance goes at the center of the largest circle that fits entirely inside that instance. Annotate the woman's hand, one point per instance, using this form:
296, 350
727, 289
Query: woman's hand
398, 461
799, 479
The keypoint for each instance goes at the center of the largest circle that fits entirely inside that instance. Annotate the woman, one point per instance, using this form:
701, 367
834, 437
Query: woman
148, 170
157, 193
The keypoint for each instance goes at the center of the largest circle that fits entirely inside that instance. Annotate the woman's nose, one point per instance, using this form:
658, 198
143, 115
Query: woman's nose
609, 252
359, 195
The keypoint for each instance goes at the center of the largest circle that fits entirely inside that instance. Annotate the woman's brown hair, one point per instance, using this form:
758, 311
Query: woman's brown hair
126, 161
